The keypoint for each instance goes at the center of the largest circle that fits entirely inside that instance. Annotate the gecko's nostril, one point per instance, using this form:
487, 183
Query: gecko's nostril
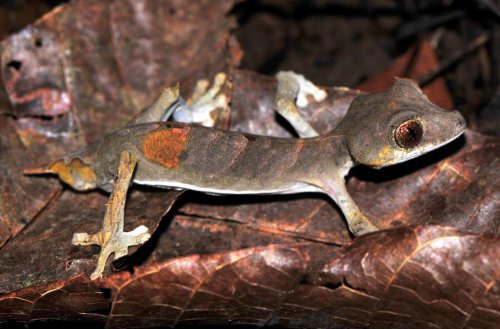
459, 120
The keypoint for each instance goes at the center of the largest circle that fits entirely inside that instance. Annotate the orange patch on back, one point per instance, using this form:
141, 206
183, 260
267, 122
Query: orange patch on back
165, 146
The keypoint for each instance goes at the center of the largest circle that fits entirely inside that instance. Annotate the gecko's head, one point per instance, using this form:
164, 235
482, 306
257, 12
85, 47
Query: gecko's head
75, 173
397, 125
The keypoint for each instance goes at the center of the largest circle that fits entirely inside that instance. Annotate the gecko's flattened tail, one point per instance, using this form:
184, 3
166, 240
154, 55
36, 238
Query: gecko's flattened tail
44, 170
76, 173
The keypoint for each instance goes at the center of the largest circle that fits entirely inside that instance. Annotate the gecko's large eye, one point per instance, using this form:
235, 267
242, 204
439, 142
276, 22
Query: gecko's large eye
409, 133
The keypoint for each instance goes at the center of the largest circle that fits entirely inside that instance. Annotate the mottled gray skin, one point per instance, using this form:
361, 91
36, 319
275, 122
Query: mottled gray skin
223, 162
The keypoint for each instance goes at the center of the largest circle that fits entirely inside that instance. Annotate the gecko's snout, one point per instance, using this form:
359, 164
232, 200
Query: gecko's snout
460, 122
457, 123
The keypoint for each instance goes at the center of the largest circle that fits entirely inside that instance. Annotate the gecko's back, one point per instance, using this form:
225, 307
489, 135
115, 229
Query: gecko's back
188, 156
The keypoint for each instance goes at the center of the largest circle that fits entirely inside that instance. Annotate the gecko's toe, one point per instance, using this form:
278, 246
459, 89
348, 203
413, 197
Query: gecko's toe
129, 239
139, 230
144, 237
81, 239
200, 89
120, 243
137, 236
120, 253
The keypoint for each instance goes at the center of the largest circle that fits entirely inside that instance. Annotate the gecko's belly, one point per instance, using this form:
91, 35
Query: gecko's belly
292, 189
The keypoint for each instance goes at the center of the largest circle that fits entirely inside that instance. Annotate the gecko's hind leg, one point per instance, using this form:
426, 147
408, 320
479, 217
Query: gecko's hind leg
293, 90
112, 238
205, 104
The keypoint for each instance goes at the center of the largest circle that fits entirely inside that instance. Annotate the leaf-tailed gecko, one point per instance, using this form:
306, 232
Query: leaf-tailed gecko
378, 130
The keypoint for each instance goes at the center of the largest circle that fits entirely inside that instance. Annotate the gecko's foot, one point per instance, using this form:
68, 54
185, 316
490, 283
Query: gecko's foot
206, 104
116, 244
294, 90
303, 87
362, 226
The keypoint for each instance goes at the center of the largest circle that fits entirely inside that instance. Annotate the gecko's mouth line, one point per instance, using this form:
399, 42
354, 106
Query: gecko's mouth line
443, 144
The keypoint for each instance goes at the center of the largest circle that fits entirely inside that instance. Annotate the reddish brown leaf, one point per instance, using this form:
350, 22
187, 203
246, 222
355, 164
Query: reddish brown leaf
424, 277
404, 278
414, 63
74, 299
21, 197
209, 289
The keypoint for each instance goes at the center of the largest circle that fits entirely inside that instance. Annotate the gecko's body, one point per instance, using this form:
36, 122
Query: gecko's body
178, 155
378, 130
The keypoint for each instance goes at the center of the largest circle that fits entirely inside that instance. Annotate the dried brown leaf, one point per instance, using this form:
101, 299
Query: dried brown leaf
220, 261
411, 277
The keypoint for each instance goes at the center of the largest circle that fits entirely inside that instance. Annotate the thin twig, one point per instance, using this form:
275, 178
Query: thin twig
449, 63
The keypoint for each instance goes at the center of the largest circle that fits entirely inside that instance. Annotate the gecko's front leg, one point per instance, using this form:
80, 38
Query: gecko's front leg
112, 238
357, 222
293, 90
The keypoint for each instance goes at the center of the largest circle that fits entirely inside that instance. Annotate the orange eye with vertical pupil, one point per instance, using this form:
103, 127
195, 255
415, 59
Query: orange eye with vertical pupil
409, 133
